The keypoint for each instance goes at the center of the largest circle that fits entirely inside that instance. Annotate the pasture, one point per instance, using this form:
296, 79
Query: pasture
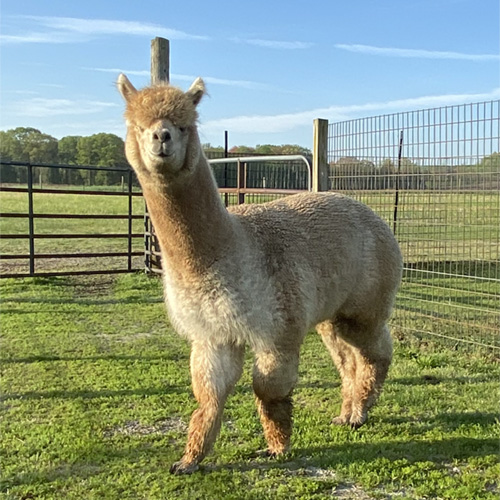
96, 400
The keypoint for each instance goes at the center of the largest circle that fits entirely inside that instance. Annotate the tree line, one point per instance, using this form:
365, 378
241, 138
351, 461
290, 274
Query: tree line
351, 173
24, 144
30, 145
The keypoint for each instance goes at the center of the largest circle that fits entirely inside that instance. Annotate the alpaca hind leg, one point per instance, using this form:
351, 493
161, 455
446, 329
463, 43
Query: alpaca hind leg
372, 348
344, 359
274, 377
214, 372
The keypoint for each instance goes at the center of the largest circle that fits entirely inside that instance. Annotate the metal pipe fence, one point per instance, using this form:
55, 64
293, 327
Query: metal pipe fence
74, 230
434, 176
65, 236
245, 179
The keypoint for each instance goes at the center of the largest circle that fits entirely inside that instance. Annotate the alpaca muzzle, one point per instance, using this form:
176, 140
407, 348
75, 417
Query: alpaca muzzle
161, 142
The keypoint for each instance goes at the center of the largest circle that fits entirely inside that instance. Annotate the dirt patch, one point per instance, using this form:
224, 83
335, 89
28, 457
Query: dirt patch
135, 428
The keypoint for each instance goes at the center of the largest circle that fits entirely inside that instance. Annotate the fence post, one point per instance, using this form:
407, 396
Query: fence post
241, 181
31, 222
321, 170
130, 227
398, 172
160, 60
160, 72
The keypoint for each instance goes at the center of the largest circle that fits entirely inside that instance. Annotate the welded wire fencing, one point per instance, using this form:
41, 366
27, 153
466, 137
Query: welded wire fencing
434, 175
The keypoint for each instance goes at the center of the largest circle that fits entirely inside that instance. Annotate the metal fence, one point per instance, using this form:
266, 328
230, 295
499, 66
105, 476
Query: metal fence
434, 175
69, 230
245, 179
77, 229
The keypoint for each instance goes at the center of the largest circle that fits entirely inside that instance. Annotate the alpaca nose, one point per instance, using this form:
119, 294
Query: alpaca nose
162, 135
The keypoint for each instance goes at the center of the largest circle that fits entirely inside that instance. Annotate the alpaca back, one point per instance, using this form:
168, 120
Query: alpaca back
327, 254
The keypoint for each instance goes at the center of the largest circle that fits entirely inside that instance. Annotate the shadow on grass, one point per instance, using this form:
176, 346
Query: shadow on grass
445, 421
439, 452
104, 455
105, 393
435, 380
111, 357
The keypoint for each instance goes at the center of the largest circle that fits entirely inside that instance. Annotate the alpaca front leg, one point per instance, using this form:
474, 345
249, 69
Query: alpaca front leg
214, 372
274, 377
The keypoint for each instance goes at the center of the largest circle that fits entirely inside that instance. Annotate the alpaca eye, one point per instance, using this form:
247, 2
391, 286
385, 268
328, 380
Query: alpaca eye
182, 129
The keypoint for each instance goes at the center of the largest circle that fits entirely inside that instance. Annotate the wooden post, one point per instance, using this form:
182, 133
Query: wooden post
160, 72
160, 60
321, 170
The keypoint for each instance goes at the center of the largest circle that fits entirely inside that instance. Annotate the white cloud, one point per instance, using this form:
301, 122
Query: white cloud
72, 29
246, 84
285, 122
416, 53
274, 44
40, 38
40, 107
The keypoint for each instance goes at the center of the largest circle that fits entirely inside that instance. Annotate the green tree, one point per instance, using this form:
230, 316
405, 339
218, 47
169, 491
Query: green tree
242, 150
491, 162
68, 153
29, 144
106, 150
25, 144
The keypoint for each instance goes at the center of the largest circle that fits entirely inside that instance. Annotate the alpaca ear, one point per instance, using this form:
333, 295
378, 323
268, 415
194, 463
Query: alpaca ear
125, 88
196, 91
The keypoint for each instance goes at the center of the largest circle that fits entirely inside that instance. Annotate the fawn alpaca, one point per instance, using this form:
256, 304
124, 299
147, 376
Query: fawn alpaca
259, 275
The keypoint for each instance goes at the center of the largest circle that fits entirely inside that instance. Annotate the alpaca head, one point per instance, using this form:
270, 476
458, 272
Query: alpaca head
162, 139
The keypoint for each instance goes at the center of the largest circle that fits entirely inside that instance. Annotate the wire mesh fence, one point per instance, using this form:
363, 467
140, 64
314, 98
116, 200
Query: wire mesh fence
434, 176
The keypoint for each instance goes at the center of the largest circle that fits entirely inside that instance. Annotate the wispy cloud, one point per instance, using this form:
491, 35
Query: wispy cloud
72, 29
211, 80
415, 53
285, 122
274, 44
40, 107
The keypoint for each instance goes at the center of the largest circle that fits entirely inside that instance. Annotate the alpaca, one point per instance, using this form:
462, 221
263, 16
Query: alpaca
259, 276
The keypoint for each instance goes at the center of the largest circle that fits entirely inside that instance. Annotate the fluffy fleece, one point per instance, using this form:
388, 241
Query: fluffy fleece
259, 275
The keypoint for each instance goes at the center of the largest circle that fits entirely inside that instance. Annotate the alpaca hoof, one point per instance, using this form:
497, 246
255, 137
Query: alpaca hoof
340, 421
180, 468
356, 424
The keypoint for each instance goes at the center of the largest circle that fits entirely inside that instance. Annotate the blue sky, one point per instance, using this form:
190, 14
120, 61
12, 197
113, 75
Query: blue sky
271, 67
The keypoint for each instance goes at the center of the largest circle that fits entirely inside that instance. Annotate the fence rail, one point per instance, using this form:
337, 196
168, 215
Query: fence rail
118, 259
239, 183
242, 179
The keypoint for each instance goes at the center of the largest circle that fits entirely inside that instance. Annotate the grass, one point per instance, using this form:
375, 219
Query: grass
96, 400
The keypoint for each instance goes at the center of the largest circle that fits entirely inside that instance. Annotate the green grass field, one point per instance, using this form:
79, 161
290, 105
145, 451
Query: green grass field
96, 399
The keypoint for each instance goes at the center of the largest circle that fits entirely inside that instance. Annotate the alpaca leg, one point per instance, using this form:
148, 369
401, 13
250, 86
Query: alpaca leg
372, 364
274, 377
214, 372
344, 359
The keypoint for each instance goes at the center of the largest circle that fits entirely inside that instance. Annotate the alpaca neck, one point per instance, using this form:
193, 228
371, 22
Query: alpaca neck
192, 225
